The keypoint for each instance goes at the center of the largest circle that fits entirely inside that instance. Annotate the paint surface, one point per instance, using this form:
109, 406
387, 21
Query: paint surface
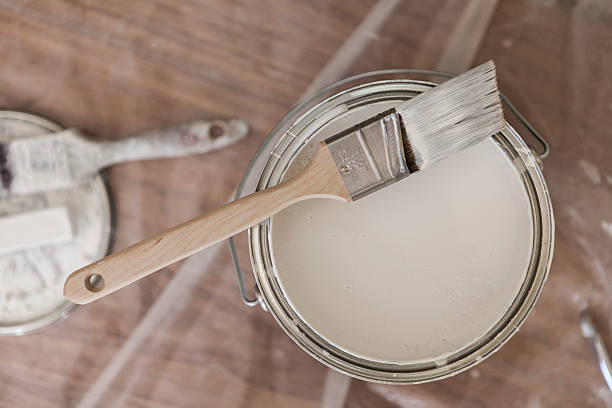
416, 271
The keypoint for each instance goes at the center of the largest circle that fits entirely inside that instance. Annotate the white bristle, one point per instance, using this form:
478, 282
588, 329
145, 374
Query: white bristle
453, 116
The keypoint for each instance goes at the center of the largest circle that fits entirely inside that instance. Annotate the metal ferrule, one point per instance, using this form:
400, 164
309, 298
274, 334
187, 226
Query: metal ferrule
370, 155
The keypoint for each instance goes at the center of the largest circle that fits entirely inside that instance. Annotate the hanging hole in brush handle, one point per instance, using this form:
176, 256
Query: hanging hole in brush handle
541, 155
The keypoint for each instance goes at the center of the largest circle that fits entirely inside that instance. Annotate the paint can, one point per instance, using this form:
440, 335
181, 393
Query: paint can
287, 149
31, 292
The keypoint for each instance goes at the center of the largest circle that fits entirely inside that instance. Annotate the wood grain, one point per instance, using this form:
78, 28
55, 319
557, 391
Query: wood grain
116, 68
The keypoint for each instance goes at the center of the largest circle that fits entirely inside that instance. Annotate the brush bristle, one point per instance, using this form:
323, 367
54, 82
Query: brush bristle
452, 116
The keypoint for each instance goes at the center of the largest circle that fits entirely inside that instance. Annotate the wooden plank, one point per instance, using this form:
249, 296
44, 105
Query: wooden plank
114, 68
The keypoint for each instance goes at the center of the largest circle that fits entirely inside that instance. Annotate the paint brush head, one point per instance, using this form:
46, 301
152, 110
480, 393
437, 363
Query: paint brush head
451, 117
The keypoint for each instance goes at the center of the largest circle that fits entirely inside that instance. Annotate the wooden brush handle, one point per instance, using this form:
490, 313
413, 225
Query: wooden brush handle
319, 179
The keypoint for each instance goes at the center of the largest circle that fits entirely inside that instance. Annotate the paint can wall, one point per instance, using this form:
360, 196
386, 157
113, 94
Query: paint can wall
275, 159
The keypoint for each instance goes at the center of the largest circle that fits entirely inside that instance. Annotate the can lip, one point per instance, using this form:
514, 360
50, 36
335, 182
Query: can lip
398, 373
64, 308
36, 324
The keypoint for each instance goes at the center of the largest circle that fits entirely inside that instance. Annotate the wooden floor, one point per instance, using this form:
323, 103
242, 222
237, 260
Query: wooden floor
113, 68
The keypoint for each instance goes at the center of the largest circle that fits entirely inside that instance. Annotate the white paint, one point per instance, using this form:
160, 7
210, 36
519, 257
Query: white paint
596, 265
416, 271
402, 397
574, 215
335, 389
32, 280
609, 179
607, 227
31, 229
590, 170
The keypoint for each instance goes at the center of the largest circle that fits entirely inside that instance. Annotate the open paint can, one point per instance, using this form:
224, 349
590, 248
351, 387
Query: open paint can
32, 277
417, 282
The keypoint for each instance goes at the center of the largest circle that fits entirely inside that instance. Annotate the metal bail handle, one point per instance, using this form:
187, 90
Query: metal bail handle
255, 300
243, 293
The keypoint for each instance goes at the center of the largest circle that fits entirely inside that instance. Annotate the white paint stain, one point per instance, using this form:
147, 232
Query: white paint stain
590, 170
604, 394
547, 3
401, 397
534, 402
607, 227
507, 42
597, 269
474, 373
574, 215
609, 179
335, 390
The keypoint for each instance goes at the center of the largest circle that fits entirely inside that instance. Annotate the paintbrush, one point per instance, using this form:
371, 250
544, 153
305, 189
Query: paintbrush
63, 159
350, 165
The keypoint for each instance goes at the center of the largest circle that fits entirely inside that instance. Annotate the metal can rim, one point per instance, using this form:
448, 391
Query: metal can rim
396, 374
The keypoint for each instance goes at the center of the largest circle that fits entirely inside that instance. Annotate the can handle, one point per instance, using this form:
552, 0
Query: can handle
545, 145
541, 140
243, 293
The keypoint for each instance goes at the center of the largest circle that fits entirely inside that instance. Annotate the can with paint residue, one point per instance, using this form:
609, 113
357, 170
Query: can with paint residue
407, 298
32, 278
